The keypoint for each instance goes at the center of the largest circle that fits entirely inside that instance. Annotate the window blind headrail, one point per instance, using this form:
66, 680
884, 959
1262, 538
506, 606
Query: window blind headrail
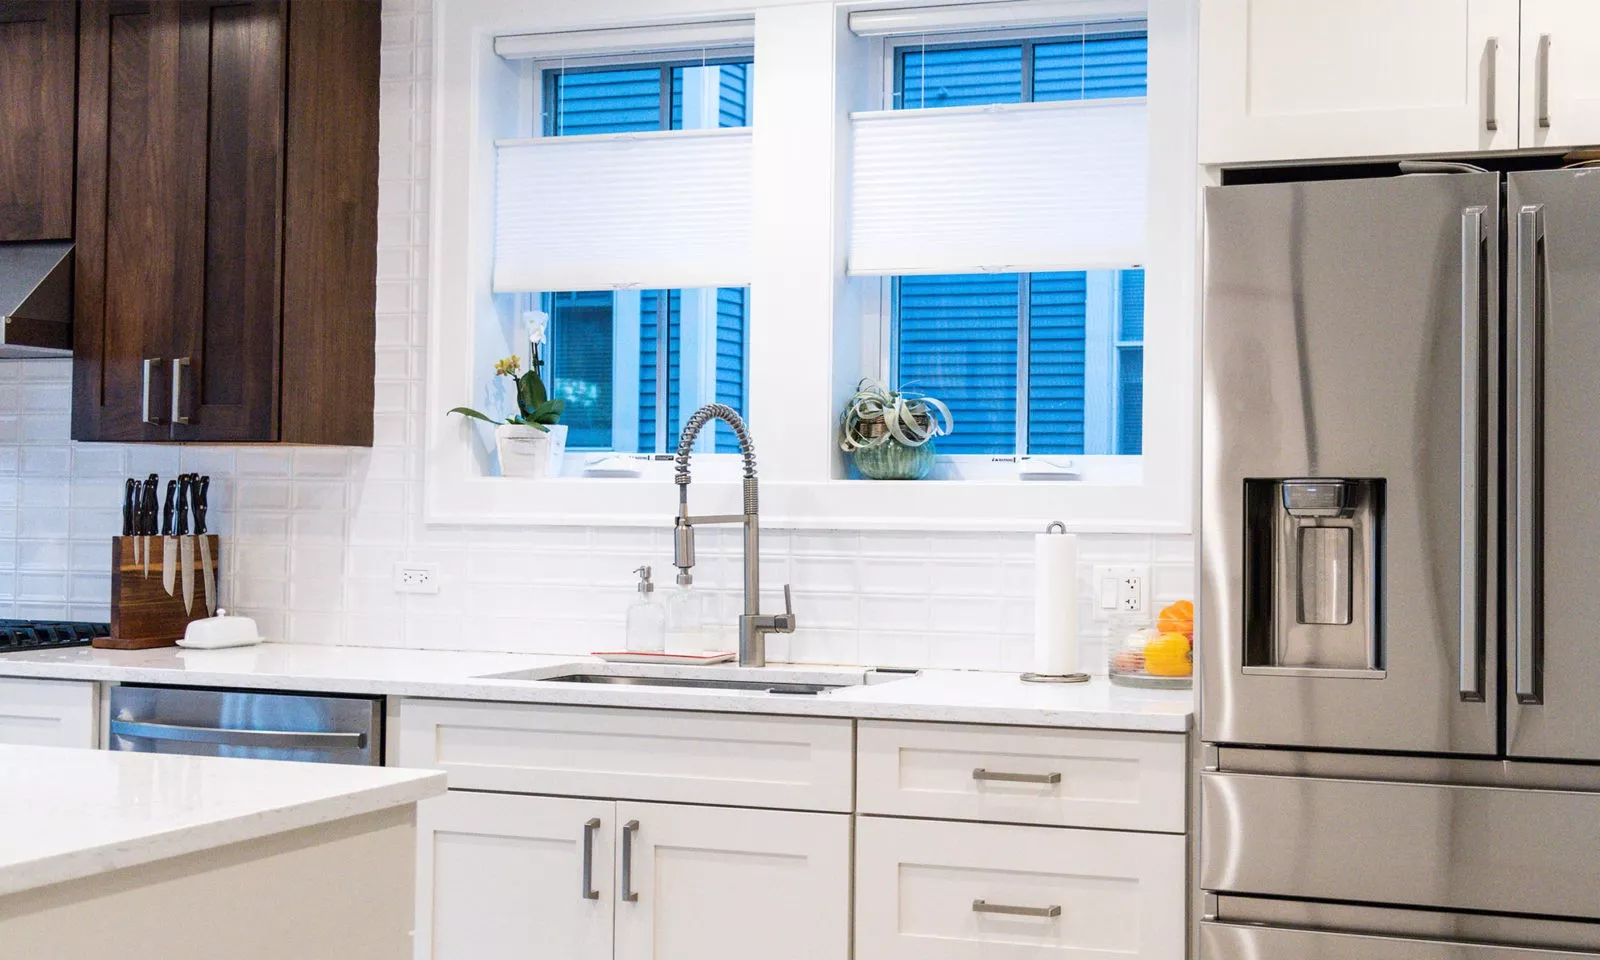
666, 38
1012, 188
581, 140
997, 15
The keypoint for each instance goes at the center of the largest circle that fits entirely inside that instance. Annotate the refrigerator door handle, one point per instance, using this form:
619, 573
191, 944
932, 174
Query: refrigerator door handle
1474, 310
1526, 397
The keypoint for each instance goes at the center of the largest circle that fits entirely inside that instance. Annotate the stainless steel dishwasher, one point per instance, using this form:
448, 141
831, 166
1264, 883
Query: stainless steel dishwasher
232, 723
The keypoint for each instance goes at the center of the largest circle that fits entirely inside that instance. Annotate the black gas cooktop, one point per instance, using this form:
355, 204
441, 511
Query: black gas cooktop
48, 634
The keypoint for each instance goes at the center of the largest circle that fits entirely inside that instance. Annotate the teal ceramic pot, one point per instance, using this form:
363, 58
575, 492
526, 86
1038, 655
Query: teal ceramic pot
894, 461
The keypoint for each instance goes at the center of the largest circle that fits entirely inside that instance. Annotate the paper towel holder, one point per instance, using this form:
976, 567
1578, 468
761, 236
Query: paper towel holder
1055, 527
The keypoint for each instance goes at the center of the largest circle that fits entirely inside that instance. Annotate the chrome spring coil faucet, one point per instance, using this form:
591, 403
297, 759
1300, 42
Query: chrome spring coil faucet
753, 625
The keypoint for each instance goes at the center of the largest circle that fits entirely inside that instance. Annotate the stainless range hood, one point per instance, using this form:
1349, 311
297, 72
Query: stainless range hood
35, 300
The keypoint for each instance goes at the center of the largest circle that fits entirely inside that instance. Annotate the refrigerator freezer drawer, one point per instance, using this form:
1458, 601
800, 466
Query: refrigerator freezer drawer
1225, 941
1491, 849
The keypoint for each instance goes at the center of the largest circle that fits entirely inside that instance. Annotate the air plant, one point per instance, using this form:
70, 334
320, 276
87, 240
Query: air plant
875, 415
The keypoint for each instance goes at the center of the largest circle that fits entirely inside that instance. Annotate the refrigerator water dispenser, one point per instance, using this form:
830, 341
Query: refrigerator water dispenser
1312, 563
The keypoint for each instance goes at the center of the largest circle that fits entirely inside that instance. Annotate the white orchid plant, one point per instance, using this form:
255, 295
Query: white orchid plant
534, 406
875, 415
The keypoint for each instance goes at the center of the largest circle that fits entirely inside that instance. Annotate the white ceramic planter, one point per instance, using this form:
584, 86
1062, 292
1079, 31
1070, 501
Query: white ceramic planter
530, 452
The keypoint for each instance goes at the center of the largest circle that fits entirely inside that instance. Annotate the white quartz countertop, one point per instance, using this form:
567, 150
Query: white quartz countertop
954, 696
71, 813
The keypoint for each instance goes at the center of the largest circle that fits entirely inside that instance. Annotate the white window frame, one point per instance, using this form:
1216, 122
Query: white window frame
806, 353
1018, 467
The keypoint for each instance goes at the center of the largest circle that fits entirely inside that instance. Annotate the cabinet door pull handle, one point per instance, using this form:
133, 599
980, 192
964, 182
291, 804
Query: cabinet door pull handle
589, 828
148, 375
178, 366
628, 830
1491, 56
984, 906
1541, 81
982, 774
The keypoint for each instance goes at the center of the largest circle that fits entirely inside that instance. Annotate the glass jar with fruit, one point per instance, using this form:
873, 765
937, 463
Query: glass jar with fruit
1142, 653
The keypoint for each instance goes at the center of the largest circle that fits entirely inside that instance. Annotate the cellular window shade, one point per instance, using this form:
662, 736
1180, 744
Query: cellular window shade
1014, 187
654, 210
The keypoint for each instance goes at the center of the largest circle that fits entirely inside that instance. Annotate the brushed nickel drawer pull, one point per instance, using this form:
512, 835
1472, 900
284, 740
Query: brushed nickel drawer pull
589, 828
984, 906
982, 774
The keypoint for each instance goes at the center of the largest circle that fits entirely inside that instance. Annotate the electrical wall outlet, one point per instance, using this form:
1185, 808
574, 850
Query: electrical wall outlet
1121, 589
410, 577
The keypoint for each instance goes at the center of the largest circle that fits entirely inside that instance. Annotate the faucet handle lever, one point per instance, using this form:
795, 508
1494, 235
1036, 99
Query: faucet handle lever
784, 622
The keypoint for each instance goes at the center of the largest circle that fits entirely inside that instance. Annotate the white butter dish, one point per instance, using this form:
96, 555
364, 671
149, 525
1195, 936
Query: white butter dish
214, 633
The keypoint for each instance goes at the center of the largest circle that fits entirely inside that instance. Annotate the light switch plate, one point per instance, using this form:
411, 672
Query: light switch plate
1121, 588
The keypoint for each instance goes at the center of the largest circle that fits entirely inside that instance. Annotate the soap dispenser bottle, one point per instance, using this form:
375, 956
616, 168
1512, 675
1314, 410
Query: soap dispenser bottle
647, 618
685, 619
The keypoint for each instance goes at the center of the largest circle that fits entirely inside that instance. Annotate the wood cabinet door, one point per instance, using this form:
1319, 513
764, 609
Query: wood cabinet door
1560, 73
941, 890
1302, 79
714, 883
501, 877
126, 233
222, 371
38, 105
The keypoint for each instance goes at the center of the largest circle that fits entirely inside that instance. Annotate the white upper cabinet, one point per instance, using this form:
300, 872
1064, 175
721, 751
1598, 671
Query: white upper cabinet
1560, 73
1308, 79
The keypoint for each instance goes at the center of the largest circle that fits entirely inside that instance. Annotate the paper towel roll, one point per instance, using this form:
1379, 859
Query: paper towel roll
1055, 603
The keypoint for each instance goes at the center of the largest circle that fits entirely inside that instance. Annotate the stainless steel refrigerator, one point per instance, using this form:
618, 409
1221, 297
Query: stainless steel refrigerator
1400, 569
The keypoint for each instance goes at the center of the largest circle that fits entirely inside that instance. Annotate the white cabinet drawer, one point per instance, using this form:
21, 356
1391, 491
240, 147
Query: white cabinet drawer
797, 763
48, 713
929, 890
1086, 778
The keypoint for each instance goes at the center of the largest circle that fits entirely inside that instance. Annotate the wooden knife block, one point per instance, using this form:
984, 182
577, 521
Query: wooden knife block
142, 615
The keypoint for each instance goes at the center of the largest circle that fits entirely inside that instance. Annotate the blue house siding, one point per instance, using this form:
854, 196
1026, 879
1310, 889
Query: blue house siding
958, 342
1056, 342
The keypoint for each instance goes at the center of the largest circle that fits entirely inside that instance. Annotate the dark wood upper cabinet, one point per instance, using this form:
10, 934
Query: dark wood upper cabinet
38, 80
227, 220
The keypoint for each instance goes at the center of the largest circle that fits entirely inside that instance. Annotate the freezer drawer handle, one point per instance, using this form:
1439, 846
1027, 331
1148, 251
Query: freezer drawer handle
274, 739
984, 906
982, 774
1474, 310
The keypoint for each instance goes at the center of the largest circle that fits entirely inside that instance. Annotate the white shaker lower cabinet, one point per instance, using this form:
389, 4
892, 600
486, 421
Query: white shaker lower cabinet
502, 877
936, 890
724, 884
49, 713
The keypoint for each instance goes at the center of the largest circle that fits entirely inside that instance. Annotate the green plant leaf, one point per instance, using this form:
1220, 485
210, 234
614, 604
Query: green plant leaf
469, 412
530, 392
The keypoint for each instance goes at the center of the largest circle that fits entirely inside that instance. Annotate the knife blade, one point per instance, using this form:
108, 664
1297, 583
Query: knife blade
169, 544
185, 544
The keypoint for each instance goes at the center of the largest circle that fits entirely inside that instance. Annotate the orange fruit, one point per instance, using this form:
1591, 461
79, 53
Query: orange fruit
1169, 655
1176, 618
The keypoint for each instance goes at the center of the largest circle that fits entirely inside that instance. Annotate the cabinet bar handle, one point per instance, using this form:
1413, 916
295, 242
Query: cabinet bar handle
982, 774
1541, 81
1491, 56
628, 830
984, 906
148, 374
178, 365
1474, 308
589, 828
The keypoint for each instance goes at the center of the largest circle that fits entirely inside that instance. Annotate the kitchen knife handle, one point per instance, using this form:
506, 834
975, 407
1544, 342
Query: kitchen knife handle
146, 408
200, 490
129, 492
183, 505
166, 512
178, 366
1474, 314
1526, 456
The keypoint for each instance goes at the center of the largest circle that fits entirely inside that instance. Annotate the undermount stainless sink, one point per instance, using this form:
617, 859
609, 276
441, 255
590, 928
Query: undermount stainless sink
781, 682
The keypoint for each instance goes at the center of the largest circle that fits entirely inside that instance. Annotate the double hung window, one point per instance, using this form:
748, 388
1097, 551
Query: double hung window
1030, 361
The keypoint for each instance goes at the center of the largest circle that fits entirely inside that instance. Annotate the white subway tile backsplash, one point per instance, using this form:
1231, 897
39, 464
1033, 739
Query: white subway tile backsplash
312, 535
